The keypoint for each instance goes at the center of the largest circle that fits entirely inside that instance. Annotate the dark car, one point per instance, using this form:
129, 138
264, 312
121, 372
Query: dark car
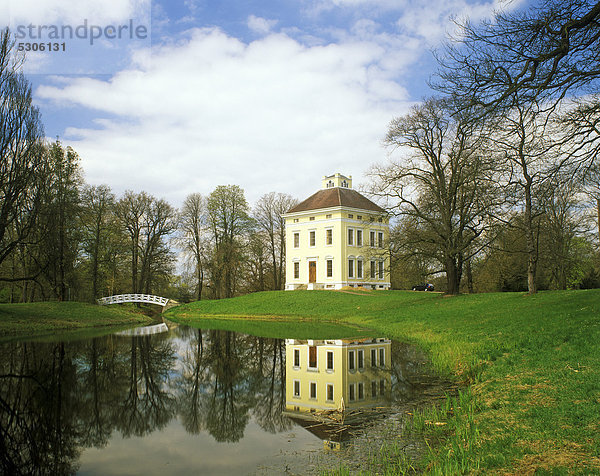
423, 287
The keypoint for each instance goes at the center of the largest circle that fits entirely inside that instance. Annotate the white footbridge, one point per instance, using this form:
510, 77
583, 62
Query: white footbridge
142, 298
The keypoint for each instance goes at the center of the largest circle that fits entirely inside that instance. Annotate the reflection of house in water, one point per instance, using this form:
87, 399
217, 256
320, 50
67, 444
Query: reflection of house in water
344, 375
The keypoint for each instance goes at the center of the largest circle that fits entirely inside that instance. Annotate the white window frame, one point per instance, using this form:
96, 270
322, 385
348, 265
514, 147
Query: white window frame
351, 360
350, 236
297, 387
327, 354
312, 234
328, 230
359, 232
297, 353
359, 268
351, 268
327, 387
311, 386
360, 359
296, 234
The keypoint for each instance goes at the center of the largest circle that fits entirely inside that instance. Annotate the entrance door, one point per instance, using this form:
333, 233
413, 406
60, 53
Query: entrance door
312, 271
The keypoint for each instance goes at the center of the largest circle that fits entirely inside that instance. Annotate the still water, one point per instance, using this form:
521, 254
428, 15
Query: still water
181, 400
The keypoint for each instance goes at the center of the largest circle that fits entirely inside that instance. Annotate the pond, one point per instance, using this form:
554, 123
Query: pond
171, 399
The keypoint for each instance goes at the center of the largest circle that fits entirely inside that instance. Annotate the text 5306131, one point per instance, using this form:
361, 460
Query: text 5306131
50, 47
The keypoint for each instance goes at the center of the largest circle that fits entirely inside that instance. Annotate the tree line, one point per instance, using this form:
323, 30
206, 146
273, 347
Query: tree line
64, 239
496, 187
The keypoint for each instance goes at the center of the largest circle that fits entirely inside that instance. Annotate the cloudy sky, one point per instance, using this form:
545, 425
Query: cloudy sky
175, 97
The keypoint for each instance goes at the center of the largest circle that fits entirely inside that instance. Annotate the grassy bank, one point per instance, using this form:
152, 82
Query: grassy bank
42, 318
530, 366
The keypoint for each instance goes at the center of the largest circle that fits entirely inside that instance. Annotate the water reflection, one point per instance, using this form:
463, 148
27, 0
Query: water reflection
57, 399
334, 387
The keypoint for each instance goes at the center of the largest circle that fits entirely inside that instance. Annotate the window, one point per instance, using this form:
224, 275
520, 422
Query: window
350, 215
373, 269
313, 390
350, 268
329, 268
358, 237
296, 220
374, 388
296, 357
350, 236
296, 388
312, 236
359, 269
296, 240
361, 391
351, 395
328, 216
329, 360
312, 219
381, 387
329, 236
330, 392
380, 238
312, 357
382, 357
373, 357
351, 360
296, 270
381, 270
361, 359
372, 238
359, 217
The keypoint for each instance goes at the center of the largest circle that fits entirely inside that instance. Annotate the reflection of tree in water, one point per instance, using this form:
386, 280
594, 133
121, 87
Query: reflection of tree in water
57, 398
268, 384
224, 375
37, 431
148, 404
411, 373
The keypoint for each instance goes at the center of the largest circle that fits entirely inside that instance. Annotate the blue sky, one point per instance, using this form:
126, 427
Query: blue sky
269, 95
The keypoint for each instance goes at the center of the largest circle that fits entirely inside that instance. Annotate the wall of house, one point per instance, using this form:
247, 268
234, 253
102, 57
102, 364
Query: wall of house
339, 220
372, 375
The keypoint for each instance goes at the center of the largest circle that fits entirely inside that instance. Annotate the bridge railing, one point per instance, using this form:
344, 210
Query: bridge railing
143, 298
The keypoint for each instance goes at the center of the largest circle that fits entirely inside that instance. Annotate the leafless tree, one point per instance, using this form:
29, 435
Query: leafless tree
442, 184
193, 230
23, 164
268, 213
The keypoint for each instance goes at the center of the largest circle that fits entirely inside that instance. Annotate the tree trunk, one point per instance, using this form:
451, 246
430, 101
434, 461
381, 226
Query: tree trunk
532, 257
452, 277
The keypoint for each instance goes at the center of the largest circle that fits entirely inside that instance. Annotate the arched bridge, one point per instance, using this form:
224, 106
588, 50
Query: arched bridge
143, 298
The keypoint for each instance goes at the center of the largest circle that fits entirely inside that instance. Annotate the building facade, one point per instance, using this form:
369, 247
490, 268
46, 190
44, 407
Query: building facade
341, 374
337, 238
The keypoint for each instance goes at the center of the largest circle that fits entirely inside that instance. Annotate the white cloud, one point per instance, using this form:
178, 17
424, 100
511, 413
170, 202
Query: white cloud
58, 11
260, 25
272, 115
434, 20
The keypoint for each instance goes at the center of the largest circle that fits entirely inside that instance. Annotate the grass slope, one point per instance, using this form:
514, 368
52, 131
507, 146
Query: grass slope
28, 319
531, 366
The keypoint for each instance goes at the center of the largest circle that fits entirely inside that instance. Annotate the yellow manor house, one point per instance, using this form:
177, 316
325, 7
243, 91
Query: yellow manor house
336, 238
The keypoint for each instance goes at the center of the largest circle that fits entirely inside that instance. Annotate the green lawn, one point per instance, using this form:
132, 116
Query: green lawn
45, 318
530, 366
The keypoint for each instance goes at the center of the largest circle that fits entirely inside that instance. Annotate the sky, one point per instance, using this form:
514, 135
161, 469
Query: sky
179, 97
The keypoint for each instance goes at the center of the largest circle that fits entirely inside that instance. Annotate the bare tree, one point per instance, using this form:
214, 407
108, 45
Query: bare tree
23, 164
193, 229
229, 222
97, 213
131, 209
444, 185
268, 213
